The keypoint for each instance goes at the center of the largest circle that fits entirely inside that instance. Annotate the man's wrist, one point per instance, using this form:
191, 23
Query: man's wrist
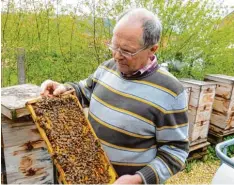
68, 87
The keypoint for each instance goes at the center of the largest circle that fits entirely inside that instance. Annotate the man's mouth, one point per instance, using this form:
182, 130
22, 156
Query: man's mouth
121, 63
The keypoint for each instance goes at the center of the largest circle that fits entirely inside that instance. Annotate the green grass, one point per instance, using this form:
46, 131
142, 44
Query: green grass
211, 155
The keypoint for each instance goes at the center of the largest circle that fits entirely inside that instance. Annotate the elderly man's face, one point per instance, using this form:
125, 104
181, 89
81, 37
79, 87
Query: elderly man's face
127, 38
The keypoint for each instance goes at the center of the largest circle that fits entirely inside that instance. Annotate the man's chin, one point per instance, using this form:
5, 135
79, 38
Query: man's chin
122, 69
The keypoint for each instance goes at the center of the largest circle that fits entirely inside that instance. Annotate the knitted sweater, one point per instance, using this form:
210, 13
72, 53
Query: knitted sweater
141, 121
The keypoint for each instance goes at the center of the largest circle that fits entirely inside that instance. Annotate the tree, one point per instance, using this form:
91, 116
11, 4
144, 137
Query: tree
67, 42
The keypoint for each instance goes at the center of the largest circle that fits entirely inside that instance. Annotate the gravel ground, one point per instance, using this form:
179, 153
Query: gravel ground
201, 173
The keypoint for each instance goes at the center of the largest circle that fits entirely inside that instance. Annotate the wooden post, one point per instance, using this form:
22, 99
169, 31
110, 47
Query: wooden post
2, 74
3, 164
20, 65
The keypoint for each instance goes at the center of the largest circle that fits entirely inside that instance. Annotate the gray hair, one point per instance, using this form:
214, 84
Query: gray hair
151, 24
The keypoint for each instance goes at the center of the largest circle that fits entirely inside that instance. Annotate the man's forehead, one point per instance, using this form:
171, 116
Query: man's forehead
123, 40
128, 34
128, 25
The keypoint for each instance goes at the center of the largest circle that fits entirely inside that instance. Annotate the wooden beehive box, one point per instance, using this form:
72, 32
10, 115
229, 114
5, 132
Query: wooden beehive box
25, 155
199, 107
222, 115
198, 132
14, 98
71, 140
188, 91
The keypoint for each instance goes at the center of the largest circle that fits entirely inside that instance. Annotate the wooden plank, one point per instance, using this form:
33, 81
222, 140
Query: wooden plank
195, 83
198, 141
220, 131
14, 98
21, 65
200, 104
43, 178
215, 137
24, 134
207, 96
32, 167
222, 121
199, 146
220, 78
201, 99
8, 113
194, 155
224, 90
198, 114
3, 165
194, 98
201, 95
199, 152
218, 119
232, 94
188, 91
223, 106
198, 130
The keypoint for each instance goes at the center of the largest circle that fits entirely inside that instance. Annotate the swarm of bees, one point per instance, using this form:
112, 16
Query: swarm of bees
75, 148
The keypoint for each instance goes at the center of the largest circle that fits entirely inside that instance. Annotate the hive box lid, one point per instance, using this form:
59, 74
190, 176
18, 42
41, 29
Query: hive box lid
220, 78
195, 83
13, 99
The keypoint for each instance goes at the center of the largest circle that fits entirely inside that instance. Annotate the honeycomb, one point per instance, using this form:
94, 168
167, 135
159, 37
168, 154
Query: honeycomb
72, 143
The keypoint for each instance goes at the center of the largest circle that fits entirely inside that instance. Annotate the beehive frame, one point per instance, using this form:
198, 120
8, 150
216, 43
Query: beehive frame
29, 105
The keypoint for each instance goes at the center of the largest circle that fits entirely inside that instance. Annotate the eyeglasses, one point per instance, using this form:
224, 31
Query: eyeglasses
124, 53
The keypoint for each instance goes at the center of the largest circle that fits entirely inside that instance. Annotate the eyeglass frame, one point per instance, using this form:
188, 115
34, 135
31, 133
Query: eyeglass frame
128, 53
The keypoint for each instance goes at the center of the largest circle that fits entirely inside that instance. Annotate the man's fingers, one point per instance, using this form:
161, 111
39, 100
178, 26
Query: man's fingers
59, 90
48, 87
45, 86
45, 93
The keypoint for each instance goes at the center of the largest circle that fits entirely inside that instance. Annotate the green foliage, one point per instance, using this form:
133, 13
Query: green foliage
211, 154
189, 165
68, 44
230, 150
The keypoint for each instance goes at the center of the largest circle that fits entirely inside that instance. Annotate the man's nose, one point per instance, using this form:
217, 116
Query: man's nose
118, 55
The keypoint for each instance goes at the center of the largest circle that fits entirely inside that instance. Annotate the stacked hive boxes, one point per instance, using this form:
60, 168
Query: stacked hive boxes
25, 155
199, 109
222, 117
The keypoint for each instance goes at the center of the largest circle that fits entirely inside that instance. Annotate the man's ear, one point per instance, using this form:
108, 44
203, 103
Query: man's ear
154, 48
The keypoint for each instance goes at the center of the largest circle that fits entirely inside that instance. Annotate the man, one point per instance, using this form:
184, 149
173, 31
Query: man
137, 110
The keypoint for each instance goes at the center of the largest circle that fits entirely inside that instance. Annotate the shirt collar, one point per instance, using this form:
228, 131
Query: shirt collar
150, 66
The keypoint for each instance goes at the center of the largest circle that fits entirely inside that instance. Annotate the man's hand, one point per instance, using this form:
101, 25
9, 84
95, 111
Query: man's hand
129, 179
52, 88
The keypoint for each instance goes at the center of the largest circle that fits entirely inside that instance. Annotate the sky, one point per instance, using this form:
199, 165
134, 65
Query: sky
229, 3
73, 3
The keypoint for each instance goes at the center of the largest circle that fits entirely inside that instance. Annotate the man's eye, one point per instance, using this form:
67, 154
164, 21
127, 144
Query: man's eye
126, 51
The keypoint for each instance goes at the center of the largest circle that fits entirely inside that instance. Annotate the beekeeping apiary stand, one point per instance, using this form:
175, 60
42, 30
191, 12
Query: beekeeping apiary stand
24, 153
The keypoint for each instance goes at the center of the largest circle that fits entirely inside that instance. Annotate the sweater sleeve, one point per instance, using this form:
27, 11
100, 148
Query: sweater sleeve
173, 144
84, 88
